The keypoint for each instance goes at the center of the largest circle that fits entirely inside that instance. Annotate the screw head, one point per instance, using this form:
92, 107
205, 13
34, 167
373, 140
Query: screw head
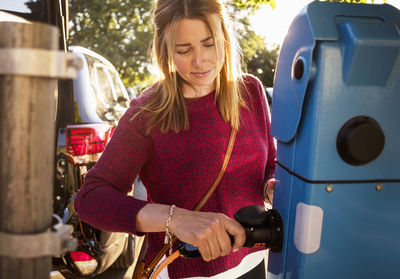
329, 188
379, 187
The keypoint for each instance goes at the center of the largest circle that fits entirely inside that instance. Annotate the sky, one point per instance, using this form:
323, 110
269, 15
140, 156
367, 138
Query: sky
273, 24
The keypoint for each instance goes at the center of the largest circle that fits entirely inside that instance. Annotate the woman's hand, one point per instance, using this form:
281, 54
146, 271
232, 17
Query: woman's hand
207, 231
268, 190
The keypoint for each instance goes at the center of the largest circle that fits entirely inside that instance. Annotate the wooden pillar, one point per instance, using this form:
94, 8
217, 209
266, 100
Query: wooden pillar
27, 138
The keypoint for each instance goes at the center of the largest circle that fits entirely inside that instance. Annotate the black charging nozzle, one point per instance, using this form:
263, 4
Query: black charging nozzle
264, 228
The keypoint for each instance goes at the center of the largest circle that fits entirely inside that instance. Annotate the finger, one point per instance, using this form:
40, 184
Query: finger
224, 243
240, 239
205, 252
214, 246
237, 231
271, 183
216, 230
269, 190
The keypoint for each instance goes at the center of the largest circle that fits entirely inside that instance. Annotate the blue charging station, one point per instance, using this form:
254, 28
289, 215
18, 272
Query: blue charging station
336, 118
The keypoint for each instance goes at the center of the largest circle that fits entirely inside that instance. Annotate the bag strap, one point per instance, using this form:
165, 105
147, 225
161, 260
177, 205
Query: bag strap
210, 191
149, 269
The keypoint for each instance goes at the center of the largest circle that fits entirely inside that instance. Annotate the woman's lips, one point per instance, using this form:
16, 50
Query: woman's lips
201, 74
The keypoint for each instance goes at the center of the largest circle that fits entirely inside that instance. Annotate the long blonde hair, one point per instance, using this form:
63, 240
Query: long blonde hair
167, 106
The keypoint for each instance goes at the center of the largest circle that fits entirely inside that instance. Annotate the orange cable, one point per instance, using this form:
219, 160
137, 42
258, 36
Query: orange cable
80, 225
166, 262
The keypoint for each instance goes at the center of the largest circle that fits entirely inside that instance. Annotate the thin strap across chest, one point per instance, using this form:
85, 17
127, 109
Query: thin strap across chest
149, 269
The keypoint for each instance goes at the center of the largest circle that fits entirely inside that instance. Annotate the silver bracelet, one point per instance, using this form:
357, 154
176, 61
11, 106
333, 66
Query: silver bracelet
168, 235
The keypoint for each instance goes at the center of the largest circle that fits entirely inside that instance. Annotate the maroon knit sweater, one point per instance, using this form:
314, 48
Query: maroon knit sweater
178, 168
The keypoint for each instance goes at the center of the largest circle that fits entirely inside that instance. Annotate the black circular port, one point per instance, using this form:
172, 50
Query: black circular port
360, 140
299, 69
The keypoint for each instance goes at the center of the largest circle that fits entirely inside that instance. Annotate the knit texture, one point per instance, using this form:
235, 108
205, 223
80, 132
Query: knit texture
178, 168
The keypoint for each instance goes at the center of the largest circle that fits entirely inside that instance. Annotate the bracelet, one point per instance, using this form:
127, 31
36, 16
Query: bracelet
168, 235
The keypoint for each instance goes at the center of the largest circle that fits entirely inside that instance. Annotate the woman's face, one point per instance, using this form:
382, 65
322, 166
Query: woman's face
195, 57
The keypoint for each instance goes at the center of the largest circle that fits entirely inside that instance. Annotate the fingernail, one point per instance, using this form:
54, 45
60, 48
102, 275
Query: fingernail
235, 250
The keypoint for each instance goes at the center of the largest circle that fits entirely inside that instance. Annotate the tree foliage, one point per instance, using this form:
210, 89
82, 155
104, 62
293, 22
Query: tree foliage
259, 60
255, 4
121, 31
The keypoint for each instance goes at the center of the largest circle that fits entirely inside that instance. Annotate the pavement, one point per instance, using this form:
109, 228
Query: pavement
122, 273
117, 273
108, 274
111, 273
127, 273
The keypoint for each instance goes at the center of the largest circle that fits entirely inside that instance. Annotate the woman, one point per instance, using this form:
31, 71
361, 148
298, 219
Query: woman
174, 136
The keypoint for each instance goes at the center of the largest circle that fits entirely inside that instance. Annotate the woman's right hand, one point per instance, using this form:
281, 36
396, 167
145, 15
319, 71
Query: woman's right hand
207, 231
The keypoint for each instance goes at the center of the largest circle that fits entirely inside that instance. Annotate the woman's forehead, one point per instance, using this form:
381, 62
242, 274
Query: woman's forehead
191, 31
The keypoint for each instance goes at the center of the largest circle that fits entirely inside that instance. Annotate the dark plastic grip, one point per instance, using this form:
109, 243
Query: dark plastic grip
189, 251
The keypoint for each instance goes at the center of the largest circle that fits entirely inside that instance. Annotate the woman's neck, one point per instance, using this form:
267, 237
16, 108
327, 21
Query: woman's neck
191, 92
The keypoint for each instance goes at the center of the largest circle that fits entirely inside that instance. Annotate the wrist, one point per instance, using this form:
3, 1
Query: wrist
152, 218
177, 219
168, 234
168, 221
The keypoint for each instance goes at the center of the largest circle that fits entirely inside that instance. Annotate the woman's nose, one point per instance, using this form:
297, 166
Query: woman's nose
198, 58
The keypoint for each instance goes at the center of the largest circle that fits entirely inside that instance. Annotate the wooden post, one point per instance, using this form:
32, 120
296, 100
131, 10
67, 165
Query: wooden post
27, 138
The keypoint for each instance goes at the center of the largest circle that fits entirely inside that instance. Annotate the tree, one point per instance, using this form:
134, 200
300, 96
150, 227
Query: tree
262, 64
259, 60
255, 4
120, 30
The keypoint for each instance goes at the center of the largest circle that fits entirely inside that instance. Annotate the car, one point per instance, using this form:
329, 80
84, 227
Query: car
268, 93
88, 110
86, 118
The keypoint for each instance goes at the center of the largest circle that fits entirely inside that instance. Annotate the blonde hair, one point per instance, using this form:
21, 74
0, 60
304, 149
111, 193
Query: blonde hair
167, 106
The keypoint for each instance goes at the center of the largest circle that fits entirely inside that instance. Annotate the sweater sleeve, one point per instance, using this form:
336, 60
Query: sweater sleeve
103, 201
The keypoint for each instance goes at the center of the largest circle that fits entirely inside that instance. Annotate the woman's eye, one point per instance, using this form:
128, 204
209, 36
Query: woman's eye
183, 51
209, 45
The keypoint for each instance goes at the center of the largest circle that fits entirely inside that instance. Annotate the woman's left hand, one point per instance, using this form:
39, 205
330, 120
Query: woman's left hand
268, 190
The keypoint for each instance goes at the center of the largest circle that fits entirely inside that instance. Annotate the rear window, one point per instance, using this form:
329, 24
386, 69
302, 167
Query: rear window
36, 10
112, 99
